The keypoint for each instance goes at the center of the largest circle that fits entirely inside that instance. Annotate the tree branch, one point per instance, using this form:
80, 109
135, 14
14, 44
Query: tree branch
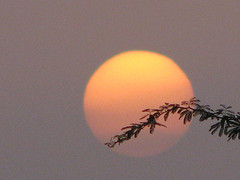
227, 122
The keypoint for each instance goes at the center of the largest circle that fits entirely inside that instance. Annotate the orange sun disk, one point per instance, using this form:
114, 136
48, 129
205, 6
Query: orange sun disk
125, 85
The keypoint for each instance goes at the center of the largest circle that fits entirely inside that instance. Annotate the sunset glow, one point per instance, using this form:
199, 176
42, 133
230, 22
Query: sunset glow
128, 83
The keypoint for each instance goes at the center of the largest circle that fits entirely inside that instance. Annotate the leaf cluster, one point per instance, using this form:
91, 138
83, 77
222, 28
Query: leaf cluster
227, 122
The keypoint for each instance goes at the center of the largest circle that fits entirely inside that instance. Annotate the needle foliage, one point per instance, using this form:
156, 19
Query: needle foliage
226, 122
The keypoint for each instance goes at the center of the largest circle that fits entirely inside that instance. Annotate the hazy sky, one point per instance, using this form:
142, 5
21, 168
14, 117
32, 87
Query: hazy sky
50, 48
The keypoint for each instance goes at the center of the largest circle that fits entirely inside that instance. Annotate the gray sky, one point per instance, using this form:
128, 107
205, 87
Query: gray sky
50, 48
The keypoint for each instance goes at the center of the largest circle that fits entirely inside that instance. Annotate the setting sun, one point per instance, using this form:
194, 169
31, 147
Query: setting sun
128, 83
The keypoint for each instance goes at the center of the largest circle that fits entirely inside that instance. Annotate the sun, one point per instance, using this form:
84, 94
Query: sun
126, 84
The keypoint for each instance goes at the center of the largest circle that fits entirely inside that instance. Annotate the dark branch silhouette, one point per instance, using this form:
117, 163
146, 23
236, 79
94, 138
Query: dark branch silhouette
227, 122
